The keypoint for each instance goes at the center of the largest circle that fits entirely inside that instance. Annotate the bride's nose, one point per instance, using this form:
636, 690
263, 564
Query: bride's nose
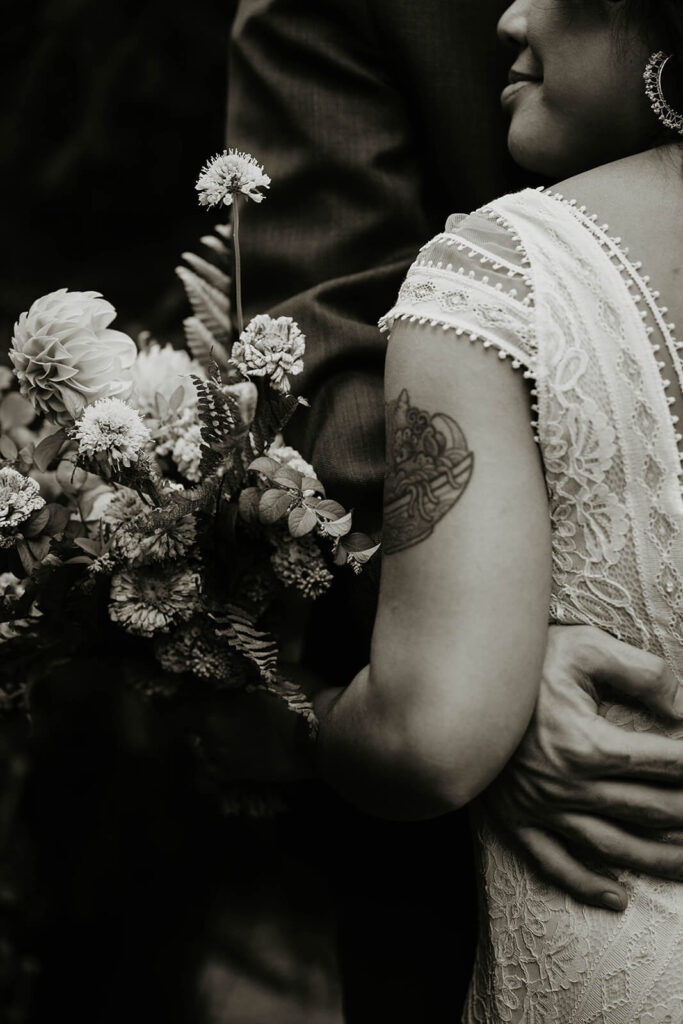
513, 24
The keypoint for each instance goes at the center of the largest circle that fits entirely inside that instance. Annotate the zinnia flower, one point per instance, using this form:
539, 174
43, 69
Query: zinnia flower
230, 174
162, 371
111, 433
152, 600
19, 498
158, 536
272, 347
196, 649
66, 357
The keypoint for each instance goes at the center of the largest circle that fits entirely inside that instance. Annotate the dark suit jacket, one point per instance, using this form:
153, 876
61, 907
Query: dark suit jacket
375, 119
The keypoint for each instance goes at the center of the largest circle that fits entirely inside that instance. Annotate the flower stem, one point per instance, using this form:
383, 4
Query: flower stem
238, 264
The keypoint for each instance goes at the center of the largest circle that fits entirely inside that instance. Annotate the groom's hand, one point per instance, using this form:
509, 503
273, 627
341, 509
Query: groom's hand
585, 798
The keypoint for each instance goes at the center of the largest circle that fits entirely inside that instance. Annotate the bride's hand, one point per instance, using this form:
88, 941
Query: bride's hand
583, 797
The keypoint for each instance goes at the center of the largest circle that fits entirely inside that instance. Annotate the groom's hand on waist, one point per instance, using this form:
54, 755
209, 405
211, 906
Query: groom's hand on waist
583, 797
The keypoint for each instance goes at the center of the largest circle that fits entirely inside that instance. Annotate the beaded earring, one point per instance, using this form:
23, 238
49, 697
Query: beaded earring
654, 91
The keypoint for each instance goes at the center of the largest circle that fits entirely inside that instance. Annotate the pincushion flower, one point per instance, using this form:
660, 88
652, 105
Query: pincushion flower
111, 434
66, 356
272, 347
19, 499
151, 601
230, 174
162, 370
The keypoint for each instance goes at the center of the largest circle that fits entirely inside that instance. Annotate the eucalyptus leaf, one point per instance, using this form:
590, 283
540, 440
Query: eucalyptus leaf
266, 466
338, 527
289, 477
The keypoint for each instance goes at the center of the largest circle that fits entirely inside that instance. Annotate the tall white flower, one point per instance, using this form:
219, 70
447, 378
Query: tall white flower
230, 174
19, 498
162, 370
66, 356
111, 433
270, 347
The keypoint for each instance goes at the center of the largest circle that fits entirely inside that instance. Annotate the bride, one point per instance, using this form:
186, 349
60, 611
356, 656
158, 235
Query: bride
534, 387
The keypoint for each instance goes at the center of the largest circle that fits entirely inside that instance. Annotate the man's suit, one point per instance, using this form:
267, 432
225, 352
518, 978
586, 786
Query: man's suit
375, 119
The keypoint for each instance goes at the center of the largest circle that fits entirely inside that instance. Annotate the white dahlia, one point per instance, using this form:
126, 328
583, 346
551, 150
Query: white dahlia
66, 357
162, 370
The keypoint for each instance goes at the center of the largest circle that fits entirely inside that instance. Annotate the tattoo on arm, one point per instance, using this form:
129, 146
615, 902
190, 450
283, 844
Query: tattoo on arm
428, 469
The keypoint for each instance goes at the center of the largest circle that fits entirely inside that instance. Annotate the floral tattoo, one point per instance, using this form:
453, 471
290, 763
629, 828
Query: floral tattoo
428, 469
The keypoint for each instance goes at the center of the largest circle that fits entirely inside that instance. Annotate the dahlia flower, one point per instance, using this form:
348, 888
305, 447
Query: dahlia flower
162, 371
66, 357
270, 347
111, 433
230, 174
156, 536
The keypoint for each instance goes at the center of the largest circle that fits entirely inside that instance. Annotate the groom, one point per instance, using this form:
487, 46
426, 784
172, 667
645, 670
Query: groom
376, 119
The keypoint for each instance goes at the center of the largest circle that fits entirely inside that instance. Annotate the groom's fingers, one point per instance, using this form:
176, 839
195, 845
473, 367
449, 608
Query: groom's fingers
628, 670
555, 863
634, 803
611, 751
607, 843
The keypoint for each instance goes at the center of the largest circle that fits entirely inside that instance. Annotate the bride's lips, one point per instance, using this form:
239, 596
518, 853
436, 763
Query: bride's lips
517, 80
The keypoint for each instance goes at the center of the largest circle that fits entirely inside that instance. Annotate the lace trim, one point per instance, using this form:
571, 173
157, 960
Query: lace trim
452, 238
630, 271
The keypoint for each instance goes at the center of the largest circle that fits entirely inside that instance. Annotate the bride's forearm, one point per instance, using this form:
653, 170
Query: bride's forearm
369, 757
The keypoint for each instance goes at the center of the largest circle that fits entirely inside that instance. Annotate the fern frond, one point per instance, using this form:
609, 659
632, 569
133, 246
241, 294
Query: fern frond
209, 304
218, 247
209, 272
203, 345
295, 699
221, 425
259, 647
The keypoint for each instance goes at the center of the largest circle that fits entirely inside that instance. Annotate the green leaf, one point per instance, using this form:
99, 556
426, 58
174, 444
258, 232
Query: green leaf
48, 449
39, 547
249, 504
59, 520
176, 399
70, 478
274, 504
329, 509
162, 405
8, 449
253, 643
28, 562
266, 466
37, 522
288, 477
15, 411
338, 527
79, 560
301, 521
91, 547
310, 483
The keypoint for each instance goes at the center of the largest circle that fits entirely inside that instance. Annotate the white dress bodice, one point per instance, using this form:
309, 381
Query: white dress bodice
536, 278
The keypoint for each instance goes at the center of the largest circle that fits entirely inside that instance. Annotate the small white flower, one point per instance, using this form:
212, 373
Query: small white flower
270, 347
187, 454
111, 432
162, 371
230, 174
19, 498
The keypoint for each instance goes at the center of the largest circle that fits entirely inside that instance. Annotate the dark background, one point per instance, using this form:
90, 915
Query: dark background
110, 107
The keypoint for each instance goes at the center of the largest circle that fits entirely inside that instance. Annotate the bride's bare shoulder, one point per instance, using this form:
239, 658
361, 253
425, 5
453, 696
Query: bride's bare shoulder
623, 190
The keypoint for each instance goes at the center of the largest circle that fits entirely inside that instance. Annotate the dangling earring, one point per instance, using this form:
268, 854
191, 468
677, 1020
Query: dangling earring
654, 70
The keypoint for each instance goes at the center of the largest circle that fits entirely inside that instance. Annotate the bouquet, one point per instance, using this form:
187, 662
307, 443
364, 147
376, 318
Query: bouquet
148, 502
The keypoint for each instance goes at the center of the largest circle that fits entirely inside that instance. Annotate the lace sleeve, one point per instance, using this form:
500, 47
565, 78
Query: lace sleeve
474, 279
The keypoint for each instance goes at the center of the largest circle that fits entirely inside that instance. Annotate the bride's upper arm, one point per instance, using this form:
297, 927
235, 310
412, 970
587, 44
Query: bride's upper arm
461, 628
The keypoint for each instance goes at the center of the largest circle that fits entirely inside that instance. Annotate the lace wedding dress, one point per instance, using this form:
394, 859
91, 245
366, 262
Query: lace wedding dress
536, 277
